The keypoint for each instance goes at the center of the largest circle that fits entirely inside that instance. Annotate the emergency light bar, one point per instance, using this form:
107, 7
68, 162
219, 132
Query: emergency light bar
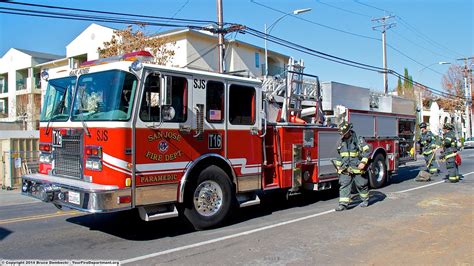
133, 56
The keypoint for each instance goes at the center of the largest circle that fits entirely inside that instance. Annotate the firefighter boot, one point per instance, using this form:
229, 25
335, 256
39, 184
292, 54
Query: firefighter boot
364, 203
341, 207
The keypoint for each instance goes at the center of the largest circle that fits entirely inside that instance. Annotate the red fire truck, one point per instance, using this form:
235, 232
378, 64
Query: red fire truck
122, 133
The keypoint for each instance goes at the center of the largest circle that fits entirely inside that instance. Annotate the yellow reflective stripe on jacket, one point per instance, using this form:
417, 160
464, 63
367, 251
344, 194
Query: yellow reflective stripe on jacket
356, 171
450, 155
365, 148
364, 195
352, 153
428, 152
448, 139
338, 163
364, 160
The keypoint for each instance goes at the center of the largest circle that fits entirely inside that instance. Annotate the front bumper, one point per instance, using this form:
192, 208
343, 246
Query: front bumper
75, 194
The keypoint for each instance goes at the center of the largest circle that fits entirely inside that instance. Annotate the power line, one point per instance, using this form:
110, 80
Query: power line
177, 12
426, 38
340, 60
110, 13
419, 45
411, 28
374, 7
58, 15
250, 31
343, 9
405, 55
316, 23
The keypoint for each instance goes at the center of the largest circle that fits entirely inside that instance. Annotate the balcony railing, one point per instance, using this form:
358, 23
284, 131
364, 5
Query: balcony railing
21, 84
37, 83
3, 88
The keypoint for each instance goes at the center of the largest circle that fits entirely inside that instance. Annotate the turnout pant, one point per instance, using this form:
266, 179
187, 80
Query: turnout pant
453, 174
346, 180
432, 168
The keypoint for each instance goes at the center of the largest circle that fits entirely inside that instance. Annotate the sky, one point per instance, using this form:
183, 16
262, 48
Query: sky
426, 32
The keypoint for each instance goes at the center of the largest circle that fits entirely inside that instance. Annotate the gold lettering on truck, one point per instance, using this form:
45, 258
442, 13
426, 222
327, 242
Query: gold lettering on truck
158, 178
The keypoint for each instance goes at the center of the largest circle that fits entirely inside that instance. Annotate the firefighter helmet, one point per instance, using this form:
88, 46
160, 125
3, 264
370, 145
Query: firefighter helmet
344, 127
423, 125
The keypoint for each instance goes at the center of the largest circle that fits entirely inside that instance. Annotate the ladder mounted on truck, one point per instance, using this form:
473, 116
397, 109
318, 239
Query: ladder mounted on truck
296, 96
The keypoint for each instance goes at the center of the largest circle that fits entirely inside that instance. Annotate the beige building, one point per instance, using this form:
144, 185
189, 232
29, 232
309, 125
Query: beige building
198, 50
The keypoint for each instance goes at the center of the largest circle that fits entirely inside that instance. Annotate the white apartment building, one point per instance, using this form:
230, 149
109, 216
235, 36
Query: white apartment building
20, 86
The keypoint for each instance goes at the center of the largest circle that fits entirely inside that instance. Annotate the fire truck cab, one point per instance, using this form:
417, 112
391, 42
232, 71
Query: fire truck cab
123, 133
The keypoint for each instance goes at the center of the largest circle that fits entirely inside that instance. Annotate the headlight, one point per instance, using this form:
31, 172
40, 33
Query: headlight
95, 165
45, 158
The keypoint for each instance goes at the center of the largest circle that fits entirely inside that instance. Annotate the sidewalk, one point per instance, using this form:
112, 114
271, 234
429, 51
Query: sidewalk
14, 197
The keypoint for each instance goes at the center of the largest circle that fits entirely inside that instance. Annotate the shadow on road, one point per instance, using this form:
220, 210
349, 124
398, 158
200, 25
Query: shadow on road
4, 233
405, 173
129, 226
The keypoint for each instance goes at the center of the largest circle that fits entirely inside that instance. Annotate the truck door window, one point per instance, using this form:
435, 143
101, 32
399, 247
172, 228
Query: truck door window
215, 102
150, 108
241, 105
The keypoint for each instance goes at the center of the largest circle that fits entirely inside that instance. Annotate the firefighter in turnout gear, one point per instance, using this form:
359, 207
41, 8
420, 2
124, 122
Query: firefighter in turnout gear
449, 152
428, 147
351, 164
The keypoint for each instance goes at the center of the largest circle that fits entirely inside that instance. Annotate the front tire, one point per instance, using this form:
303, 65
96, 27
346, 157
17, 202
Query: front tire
209, 201
378, 172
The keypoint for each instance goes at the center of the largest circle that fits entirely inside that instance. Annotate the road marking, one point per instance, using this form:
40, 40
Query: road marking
428, 185
38, 217
168, 251
164, 252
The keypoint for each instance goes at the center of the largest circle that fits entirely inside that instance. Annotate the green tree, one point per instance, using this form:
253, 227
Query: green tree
399, 87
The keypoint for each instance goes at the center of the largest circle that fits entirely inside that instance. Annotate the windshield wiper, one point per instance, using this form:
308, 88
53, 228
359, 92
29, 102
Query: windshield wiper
54, 114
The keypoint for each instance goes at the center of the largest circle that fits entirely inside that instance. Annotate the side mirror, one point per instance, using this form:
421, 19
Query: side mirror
166, 90
168, 112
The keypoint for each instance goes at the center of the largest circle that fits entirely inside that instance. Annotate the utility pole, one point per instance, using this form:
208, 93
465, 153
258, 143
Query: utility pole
383, 27
220, 30
467, 95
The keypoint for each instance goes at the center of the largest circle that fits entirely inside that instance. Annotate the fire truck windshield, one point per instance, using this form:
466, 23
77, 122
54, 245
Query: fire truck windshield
104, 96
57, 100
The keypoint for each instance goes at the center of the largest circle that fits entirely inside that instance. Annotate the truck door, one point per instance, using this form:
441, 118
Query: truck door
163, 140
244, 145
208, 97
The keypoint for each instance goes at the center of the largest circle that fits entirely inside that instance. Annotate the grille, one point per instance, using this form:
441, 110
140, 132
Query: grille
68, 159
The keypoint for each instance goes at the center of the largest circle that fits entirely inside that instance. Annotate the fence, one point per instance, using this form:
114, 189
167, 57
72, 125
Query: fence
18, 163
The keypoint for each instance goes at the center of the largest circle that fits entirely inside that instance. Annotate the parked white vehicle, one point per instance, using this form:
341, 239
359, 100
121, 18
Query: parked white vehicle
469, 143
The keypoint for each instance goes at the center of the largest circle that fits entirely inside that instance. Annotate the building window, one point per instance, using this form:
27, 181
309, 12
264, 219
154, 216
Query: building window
242, 105
215, 102
3, 107
257, 60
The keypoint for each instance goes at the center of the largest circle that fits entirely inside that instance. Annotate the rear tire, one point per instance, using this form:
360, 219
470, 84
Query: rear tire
378, 172
209, 201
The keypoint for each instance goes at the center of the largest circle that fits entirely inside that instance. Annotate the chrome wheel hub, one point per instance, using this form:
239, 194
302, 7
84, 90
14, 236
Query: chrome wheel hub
379, 171
208, 198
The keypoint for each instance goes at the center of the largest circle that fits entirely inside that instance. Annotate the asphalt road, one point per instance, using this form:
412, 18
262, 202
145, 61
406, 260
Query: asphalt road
407, 223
